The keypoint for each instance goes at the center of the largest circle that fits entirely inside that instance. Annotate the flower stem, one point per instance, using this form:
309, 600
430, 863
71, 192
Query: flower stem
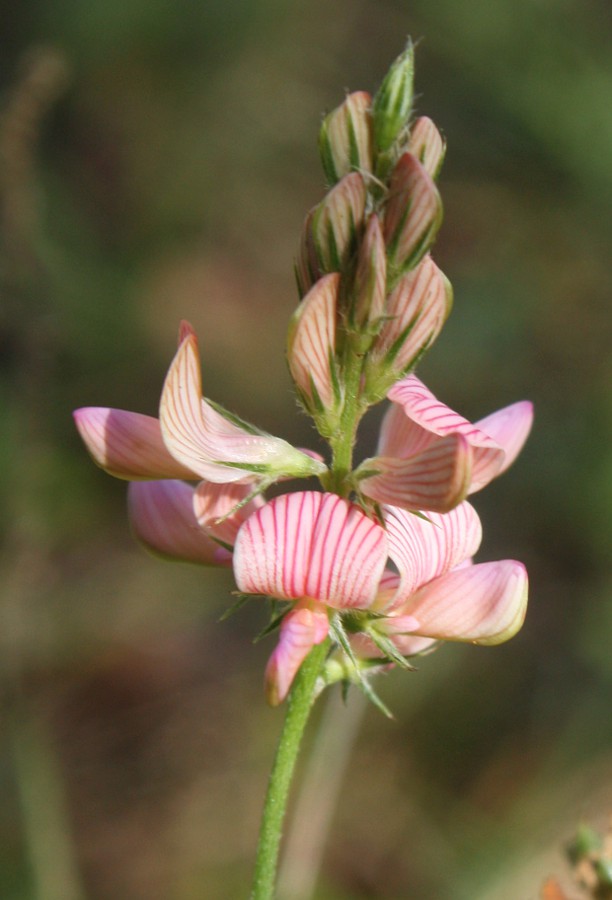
343, 440
299, 704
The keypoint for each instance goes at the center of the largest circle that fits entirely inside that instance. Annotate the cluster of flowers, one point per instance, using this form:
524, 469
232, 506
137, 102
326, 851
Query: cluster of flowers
381, 558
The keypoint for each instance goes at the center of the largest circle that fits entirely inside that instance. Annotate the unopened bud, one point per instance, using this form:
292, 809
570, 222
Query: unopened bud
427, 144
416, 310
393, 102
311, 350
370, 283
345, 139
337, 222
307, 265
412, 216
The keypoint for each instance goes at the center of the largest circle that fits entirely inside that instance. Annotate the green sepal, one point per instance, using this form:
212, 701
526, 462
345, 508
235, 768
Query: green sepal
392, 104
242, 600
274, 623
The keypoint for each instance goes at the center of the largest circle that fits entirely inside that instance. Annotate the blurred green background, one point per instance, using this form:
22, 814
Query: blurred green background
157, 161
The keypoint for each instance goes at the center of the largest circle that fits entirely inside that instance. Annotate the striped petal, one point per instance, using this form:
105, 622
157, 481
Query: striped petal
416, 309
370, 284
413, 213
225, 502
313, 545
509, 427
427, 145
425, 548
208, 442
436, 479
302, 628
426, 418
345, 139
127, 444
312, 341
483, 604
337, 220
162, 518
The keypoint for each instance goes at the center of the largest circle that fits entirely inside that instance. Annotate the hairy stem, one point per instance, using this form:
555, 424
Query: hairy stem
299, 704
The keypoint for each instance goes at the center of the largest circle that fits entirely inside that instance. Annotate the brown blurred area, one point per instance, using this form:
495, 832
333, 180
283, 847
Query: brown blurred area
157, 163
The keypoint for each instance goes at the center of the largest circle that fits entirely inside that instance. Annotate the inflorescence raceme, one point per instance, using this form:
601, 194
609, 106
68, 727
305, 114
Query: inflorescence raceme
380, 559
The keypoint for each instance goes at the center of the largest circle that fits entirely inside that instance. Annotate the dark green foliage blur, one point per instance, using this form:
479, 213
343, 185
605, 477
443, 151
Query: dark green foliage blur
157, 162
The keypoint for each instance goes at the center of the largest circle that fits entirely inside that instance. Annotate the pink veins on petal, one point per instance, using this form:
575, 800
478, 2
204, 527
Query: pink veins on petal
310, 544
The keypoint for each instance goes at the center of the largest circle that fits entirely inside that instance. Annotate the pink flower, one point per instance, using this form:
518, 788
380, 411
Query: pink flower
179, 522
191, 440
326, 555
431, 458
193, 437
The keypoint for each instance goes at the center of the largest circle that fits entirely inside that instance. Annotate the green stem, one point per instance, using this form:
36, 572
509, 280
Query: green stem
299, 704
344, 439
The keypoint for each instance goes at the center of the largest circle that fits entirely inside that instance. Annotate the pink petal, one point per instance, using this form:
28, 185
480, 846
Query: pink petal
345, 140
427, 418
484, 604
203, 439
212, 502
417, 309
312, 340
337, 220
436, 479
301, 629
161, 515
423, 549
370, 284
413, 213
127, 444
427, 145
314, 545
509, 427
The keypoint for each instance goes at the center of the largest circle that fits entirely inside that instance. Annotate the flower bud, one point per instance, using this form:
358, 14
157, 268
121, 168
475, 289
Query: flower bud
427, 144
412, 216
369, 287
416, 310
393, 102
311, 350
306, 265
330, 231
345, 139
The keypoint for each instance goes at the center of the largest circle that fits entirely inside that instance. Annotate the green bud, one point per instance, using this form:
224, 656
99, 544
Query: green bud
345, 139
393, 102
413, 215
337, 223
369, 286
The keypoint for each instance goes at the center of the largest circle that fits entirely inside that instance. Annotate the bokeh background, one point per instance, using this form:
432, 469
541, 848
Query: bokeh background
157, 161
